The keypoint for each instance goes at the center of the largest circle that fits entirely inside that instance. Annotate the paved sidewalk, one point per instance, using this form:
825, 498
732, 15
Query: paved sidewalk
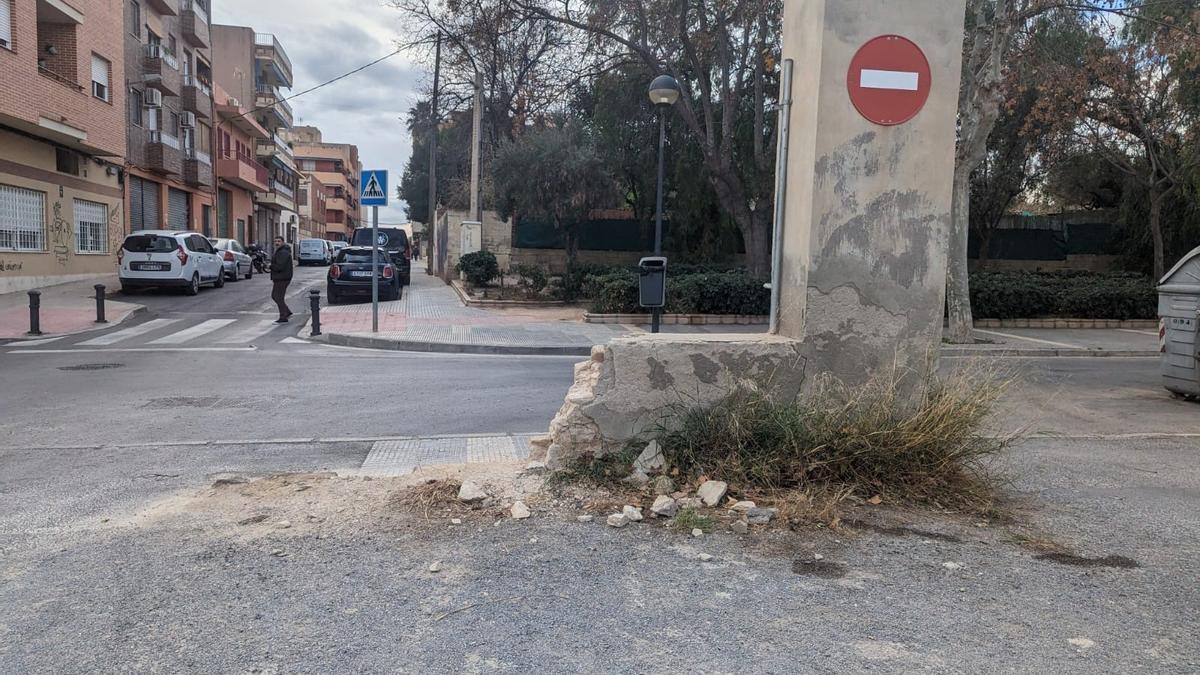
66, 309
431, 318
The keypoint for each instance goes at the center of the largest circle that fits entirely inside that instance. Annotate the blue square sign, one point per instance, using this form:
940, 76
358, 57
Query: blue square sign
374, 187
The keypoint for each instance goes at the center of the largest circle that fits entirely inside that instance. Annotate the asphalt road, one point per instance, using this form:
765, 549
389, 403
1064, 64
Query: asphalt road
116, 554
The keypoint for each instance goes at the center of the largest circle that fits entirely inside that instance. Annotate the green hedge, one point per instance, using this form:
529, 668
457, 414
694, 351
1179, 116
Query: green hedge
711, 293
1068, 295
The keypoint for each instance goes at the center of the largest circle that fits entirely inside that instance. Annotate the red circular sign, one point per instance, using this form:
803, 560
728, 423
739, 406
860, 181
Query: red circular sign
889, 80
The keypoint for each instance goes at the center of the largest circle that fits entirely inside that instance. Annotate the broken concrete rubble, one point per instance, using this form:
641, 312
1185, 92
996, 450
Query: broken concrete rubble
712, 492
665, 507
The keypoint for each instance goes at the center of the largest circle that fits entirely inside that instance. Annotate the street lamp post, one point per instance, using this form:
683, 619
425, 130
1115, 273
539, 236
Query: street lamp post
664, 93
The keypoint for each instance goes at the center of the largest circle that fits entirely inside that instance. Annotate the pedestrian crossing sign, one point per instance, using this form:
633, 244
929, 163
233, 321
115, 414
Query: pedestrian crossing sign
374, 187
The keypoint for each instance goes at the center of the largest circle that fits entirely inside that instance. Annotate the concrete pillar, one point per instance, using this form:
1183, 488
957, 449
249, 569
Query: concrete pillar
868, 203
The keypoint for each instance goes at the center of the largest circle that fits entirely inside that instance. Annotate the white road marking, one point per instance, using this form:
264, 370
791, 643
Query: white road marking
189, 334
1138, 332
132, 350
113, 338
248, 334
293, 341
34, 343
890, 79
1029, 339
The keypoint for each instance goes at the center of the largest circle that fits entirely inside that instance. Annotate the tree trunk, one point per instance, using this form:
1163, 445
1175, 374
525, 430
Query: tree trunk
958, 280
1156, 204
758, 244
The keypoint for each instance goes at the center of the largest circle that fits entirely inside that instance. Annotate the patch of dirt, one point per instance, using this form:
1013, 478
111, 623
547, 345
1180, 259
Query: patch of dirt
902, 531
822, 569
1110, 561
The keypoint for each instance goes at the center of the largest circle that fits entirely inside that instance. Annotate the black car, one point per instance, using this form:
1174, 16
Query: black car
395, 241
350, 275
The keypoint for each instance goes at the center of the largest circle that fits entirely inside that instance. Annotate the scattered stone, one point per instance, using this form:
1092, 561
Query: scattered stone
651, 459
283, 524
757, 516
278, 553
704, 557
535, 468
226, 481
818, 556
456, 521
617, 520
743, 507
598, 353
253, 519
679, 495
952, 565
712, 492
520, 511
637, 479
585, 519
697, 532
690, 503
665, 507
436, 567
533, 540
739, 527
632, 514
471, 493
302, 488
1082, 642
663, 485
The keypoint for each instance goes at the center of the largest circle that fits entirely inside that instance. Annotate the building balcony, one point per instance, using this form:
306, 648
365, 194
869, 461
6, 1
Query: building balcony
279, 197
197, 97
197, 168
163, 154
278, 67
193, 23
168, 7
161, 70
243, 172
275, 146
276, 111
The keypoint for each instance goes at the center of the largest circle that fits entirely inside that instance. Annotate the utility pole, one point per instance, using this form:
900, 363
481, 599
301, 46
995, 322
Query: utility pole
430, 229
476, 150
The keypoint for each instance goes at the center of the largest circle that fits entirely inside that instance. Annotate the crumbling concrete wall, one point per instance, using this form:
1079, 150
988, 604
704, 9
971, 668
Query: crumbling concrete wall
632, 387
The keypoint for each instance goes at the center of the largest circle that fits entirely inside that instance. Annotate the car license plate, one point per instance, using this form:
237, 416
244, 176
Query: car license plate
360, 274
150, 267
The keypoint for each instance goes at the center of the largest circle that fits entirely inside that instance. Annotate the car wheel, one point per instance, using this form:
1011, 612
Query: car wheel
127, 290
250, 272
406, 280
333, 298
236, 276
220, 282
193, 288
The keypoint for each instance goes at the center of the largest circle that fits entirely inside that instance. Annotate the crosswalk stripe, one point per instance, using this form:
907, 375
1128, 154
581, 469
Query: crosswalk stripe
192, 333
113, 338
255, 330
33, 343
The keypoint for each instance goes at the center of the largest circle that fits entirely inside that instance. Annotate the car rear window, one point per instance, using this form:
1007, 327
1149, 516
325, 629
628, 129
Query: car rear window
150, 243
393, 240
359, 257
312, 243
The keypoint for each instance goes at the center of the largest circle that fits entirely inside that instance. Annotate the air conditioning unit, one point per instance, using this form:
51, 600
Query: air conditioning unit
187, 120
153, 98
233, 102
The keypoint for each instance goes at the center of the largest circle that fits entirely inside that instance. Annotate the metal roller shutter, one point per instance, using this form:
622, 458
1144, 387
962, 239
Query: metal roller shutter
143, 204
177, 209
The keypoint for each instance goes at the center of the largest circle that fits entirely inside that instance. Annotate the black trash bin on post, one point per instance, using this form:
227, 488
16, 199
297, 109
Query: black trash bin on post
652, 290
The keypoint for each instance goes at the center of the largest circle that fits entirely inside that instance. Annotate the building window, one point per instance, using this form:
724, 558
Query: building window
135, 107
91, 230
100, 72
66, 161
6, 24
173, 44
135, 19
22, 219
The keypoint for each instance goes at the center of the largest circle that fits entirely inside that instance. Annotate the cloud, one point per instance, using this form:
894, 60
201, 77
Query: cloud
325, 39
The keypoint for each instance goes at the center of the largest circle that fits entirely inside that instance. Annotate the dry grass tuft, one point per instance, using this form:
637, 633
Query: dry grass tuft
434, 494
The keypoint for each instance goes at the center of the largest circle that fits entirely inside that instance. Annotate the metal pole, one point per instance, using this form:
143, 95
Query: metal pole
781, 173
656, 321
100, 303
35, 307
433, 149
375, 269
314, 304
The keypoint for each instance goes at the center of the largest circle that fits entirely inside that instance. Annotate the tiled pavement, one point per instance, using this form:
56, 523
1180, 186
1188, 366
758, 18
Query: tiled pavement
401, 457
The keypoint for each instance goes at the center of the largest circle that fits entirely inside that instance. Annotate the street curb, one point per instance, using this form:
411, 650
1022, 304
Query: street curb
954, 352
136, 311
385, 344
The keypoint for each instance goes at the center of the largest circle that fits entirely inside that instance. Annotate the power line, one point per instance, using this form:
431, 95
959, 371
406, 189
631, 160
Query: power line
323, 84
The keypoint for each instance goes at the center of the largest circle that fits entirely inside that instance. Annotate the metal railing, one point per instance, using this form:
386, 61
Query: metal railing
282, 189
161, 52
191, 81
164, 138
268, 40
200, 10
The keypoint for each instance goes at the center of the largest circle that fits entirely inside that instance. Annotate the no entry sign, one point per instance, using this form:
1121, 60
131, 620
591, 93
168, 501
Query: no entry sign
889, 80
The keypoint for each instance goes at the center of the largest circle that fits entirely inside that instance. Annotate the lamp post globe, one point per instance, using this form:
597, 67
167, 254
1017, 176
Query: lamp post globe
664, 90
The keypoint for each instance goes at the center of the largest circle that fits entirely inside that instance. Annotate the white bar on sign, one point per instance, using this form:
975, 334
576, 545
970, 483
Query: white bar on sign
890, 79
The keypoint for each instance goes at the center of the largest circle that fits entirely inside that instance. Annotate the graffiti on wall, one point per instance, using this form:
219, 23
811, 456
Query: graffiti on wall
9, 266
116, 227
60, 236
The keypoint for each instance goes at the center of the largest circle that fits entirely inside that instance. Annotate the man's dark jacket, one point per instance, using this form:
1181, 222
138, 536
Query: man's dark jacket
281, 264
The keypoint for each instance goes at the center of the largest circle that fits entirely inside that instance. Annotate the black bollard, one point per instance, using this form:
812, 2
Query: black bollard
100, 304
35, 309
314, 301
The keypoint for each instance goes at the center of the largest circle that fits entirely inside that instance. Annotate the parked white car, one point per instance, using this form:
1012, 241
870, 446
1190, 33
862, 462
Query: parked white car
315, 252
169, 259
238, 264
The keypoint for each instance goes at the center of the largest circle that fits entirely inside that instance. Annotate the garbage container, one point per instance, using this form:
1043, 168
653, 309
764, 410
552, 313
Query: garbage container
1179, 326
653, 286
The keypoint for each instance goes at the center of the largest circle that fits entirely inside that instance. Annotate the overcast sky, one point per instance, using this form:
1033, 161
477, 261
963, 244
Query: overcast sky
324, 39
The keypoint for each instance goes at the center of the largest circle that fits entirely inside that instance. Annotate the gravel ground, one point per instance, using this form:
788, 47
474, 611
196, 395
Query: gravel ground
138, 572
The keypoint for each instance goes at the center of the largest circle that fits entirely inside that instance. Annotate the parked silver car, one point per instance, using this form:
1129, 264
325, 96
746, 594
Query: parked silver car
238, 263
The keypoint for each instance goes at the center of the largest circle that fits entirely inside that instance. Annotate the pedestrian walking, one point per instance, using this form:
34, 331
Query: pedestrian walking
281, 277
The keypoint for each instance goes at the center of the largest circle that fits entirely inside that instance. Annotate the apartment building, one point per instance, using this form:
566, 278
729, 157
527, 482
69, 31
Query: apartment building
168, 64
312, 201
255, 70
62, 141
240, 176
337, 167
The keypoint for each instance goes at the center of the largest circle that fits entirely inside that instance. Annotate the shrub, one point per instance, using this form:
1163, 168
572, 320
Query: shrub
479, 268
711, 293
531, 278
1079, 295
868, 440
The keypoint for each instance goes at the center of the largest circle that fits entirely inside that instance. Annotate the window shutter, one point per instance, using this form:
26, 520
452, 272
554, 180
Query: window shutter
6, 23
99, 77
